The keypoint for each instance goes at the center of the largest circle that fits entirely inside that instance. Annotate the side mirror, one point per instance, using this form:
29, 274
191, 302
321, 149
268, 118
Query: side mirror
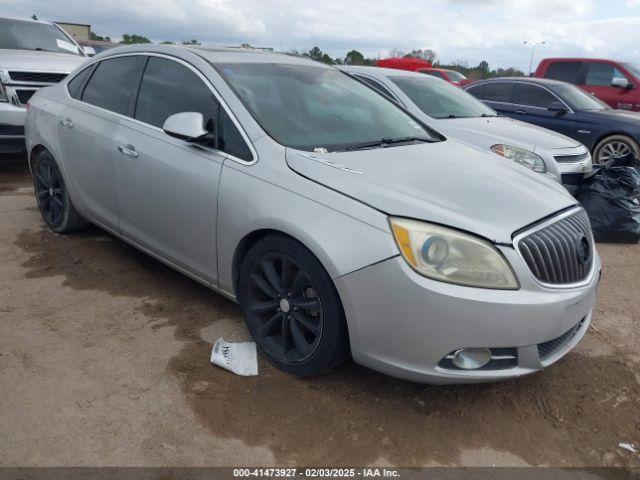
620, 82
187, 126
89, 51
558, 107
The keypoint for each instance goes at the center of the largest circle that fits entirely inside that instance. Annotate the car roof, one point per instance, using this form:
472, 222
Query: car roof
216, 54
25, 19
541, 81
386, 72
580, 59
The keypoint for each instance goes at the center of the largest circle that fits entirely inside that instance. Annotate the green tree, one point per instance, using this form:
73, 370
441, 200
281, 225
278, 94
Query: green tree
483, 66
133, 39
93, 36
326, 59
193, 41
315, 54
424, 54
354, 57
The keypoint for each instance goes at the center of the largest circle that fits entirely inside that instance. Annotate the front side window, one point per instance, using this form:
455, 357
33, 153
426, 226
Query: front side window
602, 74
441, 99
26, 35
113, 83
533, 96
168, 88
634, 68
578, 99
311, 107
565, 71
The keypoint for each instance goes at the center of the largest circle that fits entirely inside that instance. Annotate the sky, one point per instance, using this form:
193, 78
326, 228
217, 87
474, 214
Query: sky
458, 30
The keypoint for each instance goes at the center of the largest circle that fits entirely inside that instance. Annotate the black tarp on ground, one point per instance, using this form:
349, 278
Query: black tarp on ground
611, 197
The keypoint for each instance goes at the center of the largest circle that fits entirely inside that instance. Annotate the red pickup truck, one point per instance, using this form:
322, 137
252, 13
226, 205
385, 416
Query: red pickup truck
615, 83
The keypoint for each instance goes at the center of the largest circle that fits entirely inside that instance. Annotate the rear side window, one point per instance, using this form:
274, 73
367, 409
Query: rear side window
377, 86
565, 71
168, 88
602, 74
113, 82
77, 83
533, 96
498, 92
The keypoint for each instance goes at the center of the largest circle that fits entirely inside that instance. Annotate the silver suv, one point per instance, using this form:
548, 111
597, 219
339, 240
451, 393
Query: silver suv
33, 54
340, 223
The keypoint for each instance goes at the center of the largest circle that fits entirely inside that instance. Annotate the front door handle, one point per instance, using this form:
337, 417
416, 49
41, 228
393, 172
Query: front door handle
520, 111
128, 150
66, 123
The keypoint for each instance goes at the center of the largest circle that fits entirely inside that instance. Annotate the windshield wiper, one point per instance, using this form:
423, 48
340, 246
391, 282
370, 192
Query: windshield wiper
384, 142
485, 115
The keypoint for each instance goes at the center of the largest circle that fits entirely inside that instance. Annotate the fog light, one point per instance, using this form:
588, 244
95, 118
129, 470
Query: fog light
471, 358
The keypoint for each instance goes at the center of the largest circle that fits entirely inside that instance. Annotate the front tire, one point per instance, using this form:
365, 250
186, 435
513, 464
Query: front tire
52, 196
613, 147
292, 308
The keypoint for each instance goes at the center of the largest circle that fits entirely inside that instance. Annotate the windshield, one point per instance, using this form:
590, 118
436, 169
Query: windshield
314, 107
441, 99
578, 99
633, 67
25, 35
455, 76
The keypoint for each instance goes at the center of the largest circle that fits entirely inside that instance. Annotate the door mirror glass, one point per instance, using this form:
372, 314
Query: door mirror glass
186, 126
557, 107
620, 82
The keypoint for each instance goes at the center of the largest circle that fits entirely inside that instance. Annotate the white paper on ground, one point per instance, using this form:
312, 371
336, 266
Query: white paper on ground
628, 446
239, 358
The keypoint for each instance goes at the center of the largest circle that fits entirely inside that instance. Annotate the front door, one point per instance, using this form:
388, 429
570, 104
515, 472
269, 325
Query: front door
167, 188
532, 103
598, 82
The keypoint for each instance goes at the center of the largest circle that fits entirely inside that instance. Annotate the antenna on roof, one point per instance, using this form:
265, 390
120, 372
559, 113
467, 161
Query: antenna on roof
33, 17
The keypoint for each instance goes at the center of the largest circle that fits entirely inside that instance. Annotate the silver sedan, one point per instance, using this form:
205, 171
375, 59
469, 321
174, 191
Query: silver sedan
342, 224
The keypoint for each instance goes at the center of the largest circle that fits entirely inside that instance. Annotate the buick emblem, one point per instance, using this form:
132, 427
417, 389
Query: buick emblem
582, 248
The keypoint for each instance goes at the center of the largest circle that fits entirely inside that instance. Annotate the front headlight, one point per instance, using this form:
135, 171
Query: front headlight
448, 255
521, 156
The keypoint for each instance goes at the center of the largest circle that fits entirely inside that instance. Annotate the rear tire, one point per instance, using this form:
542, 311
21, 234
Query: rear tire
52, 196
292, 308
611, 147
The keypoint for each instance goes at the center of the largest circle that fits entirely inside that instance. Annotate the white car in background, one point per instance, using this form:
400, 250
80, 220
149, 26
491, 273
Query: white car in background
457, 114
33, 54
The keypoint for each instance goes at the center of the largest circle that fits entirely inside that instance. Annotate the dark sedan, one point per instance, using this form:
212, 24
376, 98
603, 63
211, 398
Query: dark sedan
566, 109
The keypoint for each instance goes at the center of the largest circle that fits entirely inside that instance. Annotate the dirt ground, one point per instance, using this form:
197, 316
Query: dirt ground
104, 360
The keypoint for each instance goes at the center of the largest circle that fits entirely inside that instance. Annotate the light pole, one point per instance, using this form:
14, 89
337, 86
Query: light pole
533, 50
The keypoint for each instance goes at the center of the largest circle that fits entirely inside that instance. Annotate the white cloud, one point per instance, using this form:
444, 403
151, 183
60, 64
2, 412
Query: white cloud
472, 30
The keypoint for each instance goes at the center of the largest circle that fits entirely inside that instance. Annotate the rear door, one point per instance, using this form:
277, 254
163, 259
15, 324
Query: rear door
531, 106
498, 95
101, 97
598, 78
167, 188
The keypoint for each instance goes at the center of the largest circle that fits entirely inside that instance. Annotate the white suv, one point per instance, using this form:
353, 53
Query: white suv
33, 54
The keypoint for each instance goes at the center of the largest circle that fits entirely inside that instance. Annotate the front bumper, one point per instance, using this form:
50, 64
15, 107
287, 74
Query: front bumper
12, 120
404, 324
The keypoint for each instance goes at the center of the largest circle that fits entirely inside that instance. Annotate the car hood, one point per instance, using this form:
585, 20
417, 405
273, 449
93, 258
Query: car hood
485, 132
446, 182
33, 61
616, 115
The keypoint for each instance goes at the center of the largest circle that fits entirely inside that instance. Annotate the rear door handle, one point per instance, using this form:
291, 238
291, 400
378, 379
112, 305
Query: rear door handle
66, 123
520, 111
128, 150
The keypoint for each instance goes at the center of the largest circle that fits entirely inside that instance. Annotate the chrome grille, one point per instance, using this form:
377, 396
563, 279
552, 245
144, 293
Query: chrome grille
38, 77
560, 252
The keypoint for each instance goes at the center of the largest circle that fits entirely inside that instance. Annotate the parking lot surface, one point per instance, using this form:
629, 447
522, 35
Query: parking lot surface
104, 360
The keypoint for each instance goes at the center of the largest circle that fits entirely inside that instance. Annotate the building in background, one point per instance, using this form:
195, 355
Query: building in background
79, 31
